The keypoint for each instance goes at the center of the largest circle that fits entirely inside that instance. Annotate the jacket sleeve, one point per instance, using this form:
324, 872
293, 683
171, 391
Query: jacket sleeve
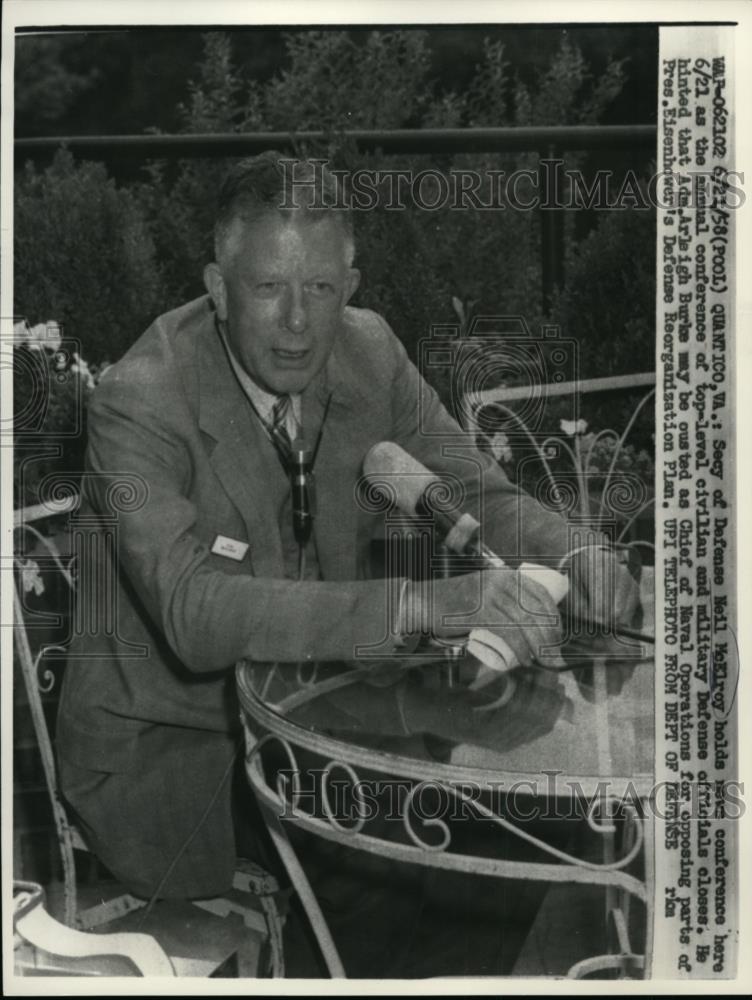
210, 618
513, 524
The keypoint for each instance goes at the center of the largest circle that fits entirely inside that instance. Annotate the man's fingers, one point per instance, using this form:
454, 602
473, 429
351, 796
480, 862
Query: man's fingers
529, 619
519, 609
545, 628
605, 591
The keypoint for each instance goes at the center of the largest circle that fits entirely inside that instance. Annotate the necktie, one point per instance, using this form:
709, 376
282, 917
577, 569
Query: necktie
278, 429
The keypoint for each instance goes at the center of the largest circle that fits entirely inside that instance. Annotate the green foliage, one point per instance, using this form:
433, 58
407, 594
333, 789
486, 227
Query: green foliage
608, 306
608, 302
180, 199
215, 99
84, 254
629, 458
46, 84
567, 94
387, 82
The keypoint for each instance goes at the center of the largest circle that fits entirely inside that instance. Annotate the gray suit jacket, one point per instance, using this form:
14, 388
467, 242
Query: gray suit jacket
171, 423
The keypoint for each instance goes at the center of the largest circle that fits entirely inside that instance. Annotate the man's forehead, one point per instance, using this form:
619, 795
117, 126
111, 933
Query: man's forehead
284, 221
286, 233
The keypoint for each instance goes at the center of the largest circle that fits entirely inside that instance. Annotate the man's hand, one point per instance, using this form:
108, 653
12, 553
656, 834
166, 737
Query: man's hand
504, 600
603, 589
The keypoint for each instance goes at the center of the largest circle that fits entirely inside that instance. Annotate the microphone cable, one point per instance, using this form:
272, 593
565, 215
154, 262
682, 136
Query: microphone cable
300, 470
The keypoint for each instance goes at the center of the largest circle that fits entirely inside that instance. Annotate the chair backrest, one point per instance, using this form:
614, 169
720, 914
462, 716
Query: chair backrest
43, 576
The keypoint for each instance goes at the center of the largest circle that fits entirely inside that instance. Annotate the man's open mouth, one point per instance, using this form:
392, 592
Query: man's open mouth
291, 355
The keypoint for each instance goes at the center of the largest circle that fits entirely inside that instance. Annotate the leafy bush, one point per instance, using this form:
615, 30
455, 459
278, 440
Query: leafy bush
608, 302
608, 305
48, 82
84, 254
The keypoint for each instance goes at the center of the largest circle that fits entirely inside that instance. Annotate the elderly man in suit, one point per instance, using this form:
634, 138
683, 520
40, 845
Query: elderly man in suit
195, 419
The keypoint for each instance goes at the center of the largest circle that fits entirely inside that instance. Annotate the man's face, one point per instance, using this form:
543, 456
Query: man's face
282, 294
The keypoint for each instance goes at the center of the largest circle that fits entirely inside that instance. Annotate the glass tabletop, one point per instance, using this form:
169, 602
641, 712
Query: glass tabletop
593, 720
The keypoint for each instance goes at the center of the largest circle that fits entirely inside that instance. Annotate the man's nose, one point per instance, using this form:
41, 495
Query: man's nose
296, 315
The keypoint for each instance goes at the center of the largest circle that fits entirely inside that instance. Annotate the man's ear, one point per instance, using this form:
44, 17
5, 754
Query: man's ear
215, 286
352, 281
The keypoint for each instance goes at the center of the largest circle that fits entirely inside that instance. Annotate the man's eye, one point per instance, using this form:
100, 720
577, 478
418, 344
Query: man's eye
320, 287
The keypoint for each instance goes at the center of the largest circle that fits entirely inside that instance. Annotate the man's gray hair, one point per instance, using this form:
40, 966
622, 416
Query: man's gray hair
274, 182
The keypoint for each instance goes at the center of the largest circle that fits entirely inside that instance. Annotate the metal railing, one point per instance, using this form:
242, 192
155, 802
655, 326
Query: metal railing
610, 383
541, 139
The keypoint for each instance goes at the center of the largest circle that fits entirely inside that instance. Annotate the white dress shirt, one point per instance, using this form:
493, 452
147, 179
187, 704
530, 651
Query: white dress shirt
262, 400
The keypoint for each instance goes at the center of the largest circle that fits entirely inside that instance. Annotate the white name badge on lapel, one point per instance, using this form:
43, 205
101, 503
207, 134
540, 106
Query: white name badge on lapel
229, 547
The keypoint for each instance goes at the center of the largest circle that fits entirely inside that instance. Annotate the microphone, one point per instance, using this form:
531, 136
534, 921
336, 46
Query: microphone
301, 482
417, 490
406, 477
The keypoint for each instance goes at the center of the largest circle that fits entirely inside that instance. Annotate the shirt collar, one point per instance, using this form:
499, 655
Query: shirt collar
263, 401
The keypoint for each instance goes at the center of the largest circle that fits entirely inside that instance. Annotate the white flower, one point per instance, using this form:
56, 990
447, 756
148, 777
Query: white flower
30, 578
82, 369
500, 447
572, 427
44, 336
458, 308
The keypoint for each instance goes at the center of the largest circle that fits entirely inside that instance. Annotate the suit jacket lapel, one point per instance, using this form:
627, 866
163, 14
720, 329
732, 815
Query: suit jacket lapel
243, 458
335, 524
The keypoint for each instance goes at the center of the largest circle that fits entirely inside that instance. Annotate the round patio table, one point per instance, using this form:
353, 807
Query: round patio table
578, 743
